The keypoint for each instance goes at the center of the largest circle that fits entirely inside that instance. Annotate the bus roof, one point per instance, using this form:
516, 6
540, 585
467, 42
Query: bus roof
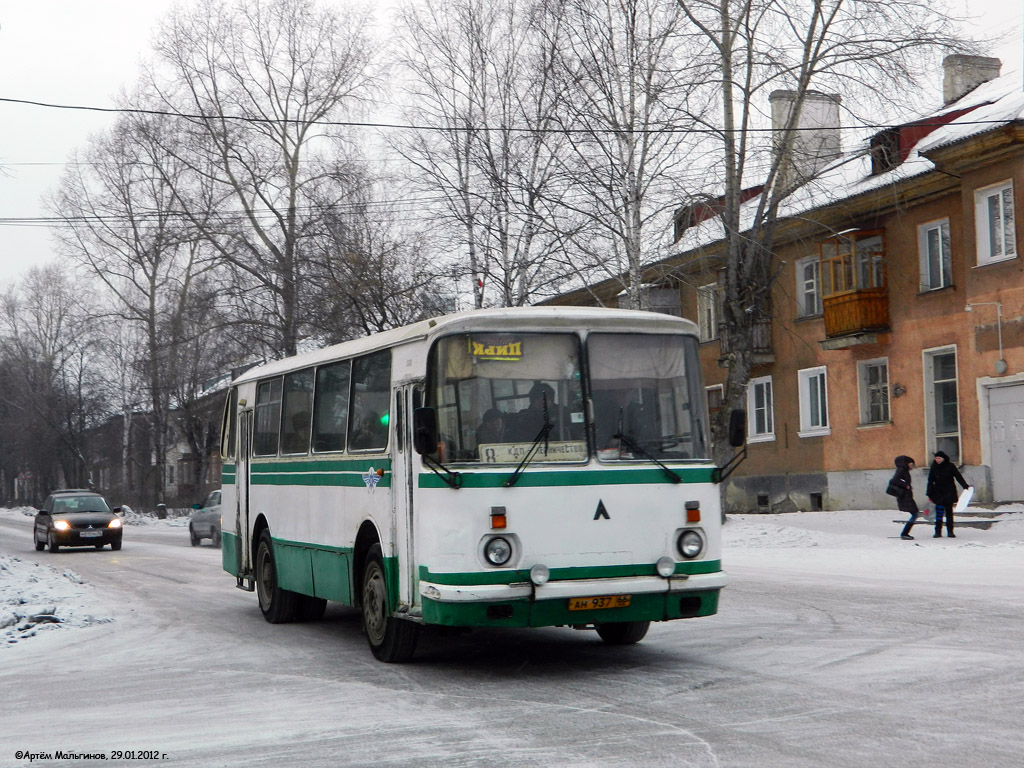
494, 320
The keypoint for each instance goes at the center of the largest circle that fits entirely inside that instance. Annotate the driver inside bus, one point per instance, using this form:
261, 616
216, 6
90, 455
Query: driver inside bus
528, 422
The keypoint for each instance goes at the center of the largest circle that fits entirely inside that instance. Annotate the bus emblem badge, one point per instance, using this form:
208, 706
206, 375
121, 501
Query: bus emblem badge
371, 478
601, 511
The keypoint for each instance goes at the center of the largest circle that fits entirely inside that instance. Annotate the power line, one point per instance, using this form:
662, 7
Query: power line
925, 122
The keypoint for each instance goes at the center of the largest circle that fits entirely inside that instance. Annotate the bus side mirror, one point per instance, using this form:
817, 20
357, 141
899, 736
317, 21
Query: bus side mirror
737, 428
424, 431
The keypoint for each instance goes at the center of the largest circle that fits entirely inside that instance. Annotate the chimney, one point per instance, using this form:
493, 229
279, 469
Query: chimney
965, 73
817, 140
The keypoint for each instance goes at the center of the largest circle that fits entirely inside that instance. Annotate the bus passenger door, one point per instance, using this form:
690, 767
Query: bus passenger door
403, 483
245, 426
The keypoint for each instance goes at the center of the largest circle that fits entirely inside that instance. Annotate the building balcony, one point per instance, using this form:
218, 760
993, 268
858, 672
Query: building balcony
761, 342
863, 311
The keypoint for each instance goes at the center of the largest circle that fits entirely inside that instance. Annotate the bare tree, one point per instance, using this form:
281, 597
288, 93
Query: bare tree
122, 225
870, 48
481, 78
49, 384
629, 84
258, 83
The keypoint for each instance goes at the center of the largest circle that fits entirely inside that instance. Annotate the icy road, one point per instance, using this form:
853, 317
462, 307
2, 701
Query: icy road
836, 645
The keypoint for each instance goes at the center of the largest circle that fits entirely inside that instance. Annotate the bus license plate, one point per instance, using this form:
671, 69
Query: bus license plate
597, 603
90, 534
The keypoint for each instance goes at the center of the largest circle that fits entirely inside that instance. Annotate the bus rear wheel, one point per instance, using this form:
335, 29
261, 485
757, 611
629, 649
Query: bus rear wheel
278, 605
391, 640
623, 632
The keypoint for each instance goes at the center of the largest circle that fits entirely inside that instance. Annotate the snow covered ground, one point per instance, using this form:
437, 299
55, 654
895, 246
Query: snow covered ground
39, 599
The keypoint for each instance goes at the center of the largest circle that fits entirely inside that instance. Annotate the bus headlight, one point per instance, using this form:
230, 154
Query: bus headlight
666, 566
690, 544
539, 575
498, 550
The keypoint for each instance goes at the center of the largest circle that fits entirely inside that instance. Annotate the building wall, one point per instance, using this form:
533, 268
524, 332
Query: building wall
850, 466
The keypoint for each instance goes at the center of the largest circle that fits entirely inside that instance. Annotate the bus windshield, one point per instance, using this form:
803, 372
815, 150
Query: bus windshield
496, 394
644, 402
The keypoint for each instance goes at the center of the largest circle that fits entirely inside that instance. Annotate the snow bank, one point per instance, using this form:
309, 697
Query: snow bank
37, 598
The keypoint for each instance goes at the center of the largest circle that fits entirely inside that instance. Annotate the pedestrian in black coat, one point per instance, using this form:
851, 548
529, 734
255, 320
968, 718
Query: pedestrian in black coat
905, 500
942, 491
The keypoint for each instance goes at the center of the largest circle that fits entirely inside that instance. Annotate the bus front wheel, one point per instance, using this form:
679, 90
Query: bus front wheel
391, 639
623, 632
277, 605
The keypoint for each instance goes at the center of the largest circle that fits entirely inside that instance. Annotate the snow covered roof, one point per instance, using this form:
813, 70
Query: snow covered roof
987, 108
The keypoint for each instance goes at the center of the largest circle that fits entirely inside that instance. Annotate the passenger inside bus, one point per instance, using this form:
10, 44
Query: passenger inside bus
492, 428
528, 422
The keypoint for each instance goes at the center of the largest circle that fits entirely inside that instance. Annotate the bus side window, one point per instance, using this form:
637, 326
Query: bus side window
296, 410
268, 417
371, 401
330, 407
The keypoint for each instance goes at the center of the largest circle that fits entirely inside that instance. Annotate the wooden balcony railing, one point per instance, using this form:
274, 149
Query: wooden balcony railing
860, 311
762, 341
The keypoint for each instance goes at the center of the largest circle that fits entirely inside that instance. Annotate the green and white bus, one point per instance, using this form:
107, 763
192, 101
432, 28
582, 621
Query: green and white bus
497, 468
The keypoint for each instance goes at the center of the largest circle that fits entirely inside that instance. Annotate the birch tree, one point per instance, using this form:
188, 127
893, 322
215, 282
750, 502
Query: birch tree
628, 73
260, 86
870, 50
481, 85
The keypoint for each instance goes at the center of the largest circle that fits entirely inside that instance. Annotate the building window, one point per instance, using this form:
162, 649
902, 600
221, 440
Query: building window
942, 402
994, 217
716, 394
808, 287
853, 262
707, 312
933, 246
873, 389
813, 402
760, 410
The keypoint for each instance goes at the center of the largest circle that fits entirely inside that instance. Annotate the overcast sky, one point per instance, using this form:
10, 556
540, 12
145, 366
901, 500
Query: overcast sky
82, 52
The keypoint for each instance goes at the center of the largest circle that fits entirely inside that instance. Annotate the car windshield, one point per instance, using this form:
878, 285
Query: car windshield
496, 394
645, 404
79, 504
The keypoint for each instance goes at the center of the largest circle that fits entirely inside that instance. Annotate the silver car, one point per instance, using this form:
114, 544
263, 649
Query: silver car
205, 522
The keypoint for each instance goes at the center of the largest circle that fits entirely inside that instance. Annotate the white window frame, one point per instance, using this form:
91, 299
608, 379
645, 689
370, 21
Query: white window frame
807, 288
813, 385
1008, 242
720, 388
945, 258
764, 385
864, 391
931, 433
707, 312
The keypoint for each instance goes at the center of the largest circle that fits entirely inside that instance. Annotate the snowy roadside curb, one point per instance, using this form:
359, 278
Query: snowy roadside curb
36, 598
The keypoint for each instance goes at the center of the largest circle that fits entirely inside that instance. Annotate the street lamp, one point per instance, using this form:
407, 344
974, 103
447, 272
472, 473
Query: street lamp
1000, 363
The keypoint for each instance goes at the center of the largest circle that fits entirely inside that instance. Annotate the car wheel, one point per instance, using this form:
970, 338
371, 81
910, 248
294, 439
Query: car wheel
51, 542
40, 545
215, 539
115, 545
278, 605
623, 632
310, 608
192, 535
391, 639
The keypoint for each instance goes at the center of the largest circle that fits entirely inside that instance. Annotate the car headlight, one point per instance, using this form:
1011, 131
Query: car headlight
61, 525
498, 550
690, 544
115, 523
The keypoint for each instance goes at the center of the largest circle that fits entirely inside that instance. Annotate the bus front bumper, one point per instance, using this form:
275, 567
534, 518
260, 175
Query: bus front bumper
522, 604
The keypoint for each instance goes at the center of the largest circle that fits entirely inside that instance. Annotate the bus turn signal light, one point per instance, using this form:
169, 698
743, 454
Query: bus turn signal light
693, 512
498, 520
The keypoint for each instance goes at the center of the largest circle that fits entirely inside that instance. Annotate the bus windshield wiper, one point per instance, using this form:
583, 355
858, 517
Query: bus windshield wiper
453, 479
673, 475
545, 430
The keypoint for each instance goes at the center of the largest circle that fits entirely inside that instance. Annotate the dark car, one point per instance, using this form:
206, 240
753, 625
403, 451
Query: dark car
76, 518
205, 522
